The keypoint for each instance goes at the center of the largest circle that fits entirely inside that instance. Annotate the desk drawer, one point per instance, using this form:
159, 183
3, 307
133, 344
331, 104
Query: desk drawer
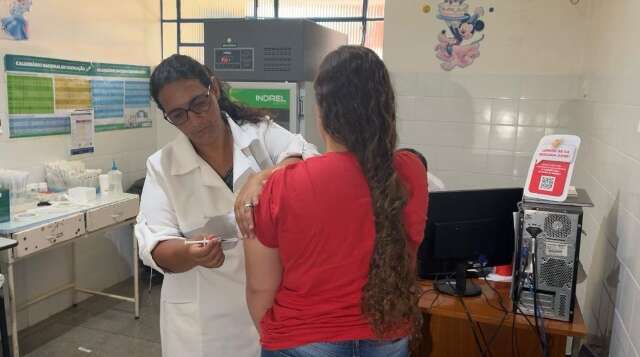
107, 215
46, 235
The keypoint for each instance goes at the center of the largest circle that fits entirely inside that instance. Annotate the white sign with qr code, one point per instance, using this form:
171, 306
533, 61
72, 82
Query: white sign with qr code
547, 183
556, 249
551, 168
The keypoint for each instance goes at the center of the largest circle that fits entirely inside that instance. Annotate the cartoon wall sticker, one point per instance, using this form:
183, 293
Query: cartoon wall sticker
15, 26
461, 46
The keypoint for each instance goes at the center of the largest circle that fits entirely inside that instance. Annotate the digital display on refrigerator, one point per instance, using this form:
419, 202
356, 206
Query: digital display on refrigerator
233, 59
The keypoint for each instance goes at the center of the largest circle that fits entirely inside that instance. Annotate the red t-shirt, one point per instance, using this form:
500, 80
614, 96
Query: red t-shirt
319, 215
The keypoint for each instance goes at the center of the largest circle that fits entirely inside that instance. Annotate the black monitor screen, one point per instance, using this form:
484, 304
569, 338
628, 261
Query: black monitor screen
471, 225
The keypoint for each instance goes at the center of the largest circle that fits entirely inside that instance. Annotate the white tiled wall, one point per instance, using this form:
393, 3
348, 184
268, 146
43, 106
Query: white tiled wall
96, 31
474, 139
610, 169
545, 67
479, 126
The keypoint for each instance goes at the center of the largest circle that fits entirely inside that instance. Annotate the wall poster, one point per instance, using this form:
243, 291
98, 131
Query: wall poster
43, 92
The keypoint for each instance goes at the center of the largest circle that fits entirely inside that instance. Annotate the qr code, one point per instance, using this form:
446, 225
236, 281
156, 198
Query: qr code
547, 183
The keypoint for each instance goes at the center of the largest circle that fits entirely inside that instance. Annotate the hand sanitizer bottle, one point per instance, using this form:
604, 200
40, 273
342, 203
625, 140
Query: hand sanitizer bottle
115, 179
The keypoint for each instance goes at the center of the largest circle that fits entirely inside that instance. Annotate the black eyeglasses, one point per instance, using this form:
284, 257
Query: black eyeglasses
198, 105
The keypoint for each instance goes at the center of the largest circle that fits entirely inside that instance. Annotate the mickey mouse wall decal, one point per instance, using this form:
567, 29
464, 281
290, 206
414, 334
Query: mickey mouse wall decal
461, 45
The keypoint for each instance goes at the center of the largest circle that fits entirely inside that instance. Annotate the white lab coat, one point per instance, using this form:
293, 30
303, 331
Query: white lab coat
203, 311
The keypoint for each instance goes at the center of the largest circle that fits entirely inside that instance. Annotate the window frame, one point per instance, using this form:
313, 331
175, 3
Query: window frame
363, 19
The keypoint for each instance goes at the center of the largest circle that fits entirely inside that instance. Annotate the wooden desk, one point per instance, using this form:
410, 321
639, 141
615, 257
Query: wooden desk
447, 330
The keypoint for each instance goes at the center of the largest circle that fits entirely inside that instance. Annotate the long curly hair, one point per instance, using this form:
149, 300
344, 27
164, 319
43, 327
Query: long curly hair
180, 67
357, 107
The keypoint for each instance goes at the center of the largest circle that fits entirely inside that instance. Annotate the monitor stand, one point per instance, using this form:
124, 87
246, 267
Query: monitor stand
458, 286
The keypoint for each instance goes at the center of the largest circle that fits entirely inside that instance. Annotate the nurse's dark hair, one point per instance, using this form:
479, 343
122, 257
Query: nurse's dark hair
180, 67
357, 109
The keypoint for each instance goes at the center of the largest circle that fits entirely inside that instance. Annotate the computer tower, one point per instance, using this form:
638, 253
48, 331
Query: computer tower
546, 259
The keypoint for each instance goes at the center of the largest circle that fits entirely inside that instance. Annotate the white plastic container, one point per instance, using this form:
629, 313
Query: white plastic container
82, 195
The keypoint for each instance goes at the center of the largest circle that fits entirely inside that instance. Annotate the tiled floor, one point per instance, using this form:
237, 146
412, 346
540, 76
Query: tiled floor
99, 326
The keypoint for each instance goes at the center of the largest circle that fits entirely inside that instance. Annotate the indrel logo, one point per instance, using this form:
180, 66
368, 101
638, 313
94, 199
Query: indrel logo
268, 98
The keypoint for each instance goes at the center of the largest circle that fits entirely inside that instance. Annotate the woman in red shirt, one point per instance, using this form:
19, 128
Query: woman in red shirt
332, 272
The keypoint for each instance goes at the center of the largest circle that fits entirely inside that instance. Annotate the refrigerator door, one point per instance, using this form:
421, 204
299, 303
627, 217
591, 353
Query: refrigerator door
307, 124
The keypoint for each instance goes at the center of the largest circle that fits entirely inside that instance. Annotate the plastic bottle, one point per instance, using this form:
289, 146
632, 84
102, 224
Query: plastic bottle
115, 179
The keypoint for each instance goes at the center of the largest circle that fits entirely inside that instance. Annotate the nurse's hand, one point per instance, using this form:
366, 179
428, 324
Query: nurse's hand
209, 255
246, 200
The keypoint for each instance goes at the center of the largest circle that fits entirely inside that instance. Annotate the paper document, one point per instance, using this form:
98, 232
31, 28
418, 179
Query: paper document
82, 132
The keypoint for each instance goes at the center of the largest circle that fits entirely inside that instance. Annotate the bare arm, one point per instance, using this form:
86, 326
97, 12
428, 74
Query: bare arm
264, 273
250, 193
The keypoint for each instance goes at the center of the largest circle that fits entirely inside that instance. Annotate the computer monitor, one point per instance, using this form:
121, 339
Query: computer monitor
470, 228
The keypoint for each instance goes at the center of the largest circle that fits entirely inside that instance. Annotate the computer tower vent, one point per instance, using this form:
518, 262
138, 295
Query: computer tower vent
563, 305
277, 59
557, 273
282, 52
557, 226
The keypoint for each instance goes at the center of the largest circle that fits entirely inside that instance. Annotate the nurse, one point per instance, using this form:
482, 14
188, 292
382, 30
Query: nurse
220, 147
